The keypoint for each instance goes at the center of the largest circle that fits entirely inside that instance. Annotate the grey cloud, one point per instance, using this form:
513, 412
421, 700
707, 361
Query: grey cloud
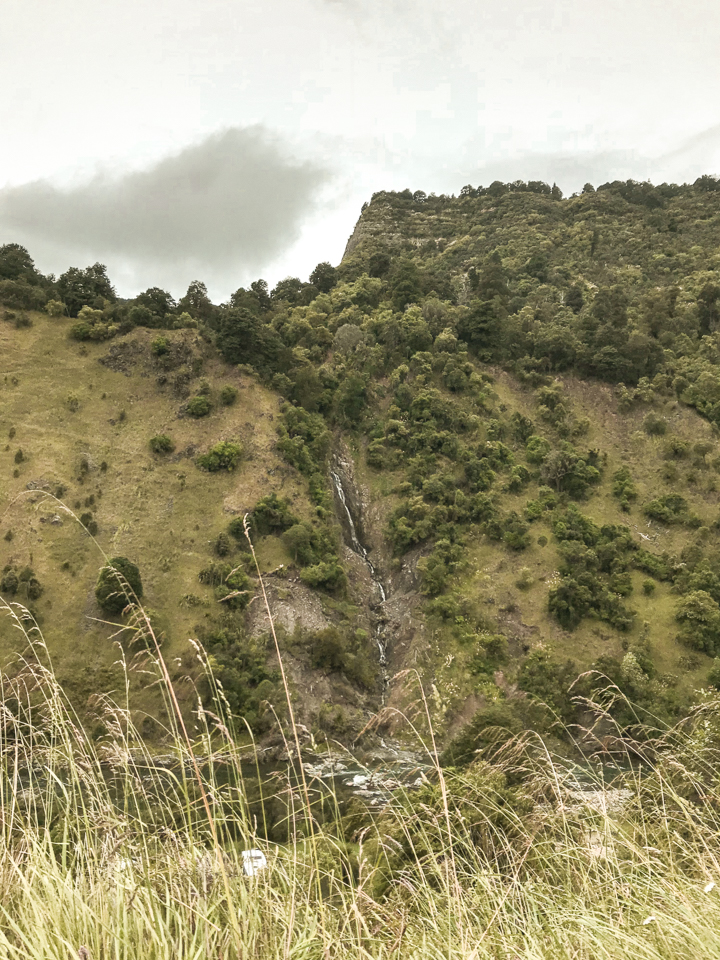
227, 206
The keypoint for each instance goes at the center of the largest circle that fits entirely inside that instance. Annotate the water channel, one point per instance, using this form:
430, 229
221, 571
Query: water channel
380, 587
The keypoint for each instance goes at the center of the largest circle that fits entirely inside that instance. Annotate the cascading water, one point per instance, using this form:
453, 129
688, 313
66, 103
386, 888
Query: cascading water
357, 547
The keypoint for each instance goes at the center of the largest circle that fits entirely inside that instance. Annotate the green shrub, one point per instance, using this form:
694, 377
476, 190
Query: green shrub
519, 477
522, 427
300, 542
236, 529
657, 567
86, 519
549, 681
623, 487
654, 425
668, 509
648, 587
533, 510
240, 663
328, 574
335, 649
676, 449
222, 545
161, 444
160, 346
228, 395
231, 585
24, 583
223, 456
81, 330
118, 585
491, 725
9, 582
199, 406
272, 515
55, 308
699, 618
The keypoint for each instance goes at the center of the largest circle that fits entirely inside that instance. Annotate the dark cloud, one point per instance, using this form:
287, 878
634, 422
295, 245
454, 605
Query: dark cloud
226, 206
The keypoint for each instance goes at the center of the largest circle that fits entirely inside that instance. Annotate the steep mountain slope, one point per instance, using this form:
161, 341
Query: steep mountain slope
491, 437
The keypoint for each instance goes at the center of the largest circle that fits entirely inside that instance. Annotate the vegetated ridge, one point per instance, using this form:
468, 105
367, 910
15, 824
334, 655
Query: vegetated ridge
483, 449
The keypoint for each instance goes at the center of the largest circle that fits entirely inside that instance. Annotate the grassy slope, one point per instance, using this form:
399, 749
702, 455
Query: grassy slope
490, 571
163, 512
160, 512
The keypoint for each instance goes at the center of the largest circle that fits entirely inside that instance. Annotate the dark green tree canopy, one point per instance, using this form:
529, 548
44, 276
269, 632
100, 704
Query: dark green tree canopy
159, 302
16, 263
324, 277
89, 287
118, 585
196, 302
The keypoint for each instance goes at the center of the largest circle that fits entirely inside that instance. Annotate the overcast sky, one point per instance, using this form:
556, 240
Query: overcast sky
229, 139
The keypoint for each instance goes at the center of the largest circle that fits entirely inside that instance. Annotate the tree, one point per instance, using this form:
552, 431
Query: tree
379, 264
699, 617
290, 290
610, 306
347, 338
225, 455
406, 285
537, 267
17, 264
55, 308
196, 302
260, 289
118, 585
708, 313
89, 287
324, 277
159, 302
351, 398
574, 299
243, 338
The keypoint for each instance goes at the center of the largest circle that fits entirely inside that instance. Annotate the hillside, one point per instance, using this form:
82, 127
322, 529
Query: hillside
508, 402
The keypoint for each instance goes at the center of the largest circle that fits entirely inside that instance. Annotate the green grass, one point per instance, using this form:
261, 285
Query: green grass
159, 510
513, 857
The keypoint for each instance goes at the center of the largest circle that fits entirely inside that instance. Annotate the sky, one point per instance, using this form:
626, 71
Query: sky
224, 140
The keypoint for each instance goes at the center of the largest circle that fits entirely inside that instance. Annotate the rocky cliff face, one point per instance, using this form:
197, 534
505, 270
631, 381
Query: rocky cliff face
383, 597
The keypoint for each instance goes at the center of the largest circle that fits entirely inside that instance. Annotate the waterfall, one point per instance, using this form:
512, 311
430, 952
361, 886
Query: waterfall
357, 547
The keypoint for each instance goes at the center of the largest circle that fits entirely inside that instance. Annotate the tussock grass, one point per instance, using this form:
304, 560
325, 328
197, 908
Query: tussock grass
103, 853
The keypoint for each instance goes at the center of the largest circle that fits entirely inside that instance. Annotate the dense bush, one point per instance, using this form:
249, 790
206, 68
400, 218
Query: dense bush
699, 617
23, 583
623, 487
223, 456
199, 406
271, 514
240, 664
161, 443
328, 574
118, 585
231, 585
228, 395
671, 508
342, 650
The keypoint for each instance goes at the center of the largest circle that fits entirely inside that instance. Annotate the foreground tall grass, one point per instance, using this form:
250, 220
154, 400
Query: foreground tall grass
106, 855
